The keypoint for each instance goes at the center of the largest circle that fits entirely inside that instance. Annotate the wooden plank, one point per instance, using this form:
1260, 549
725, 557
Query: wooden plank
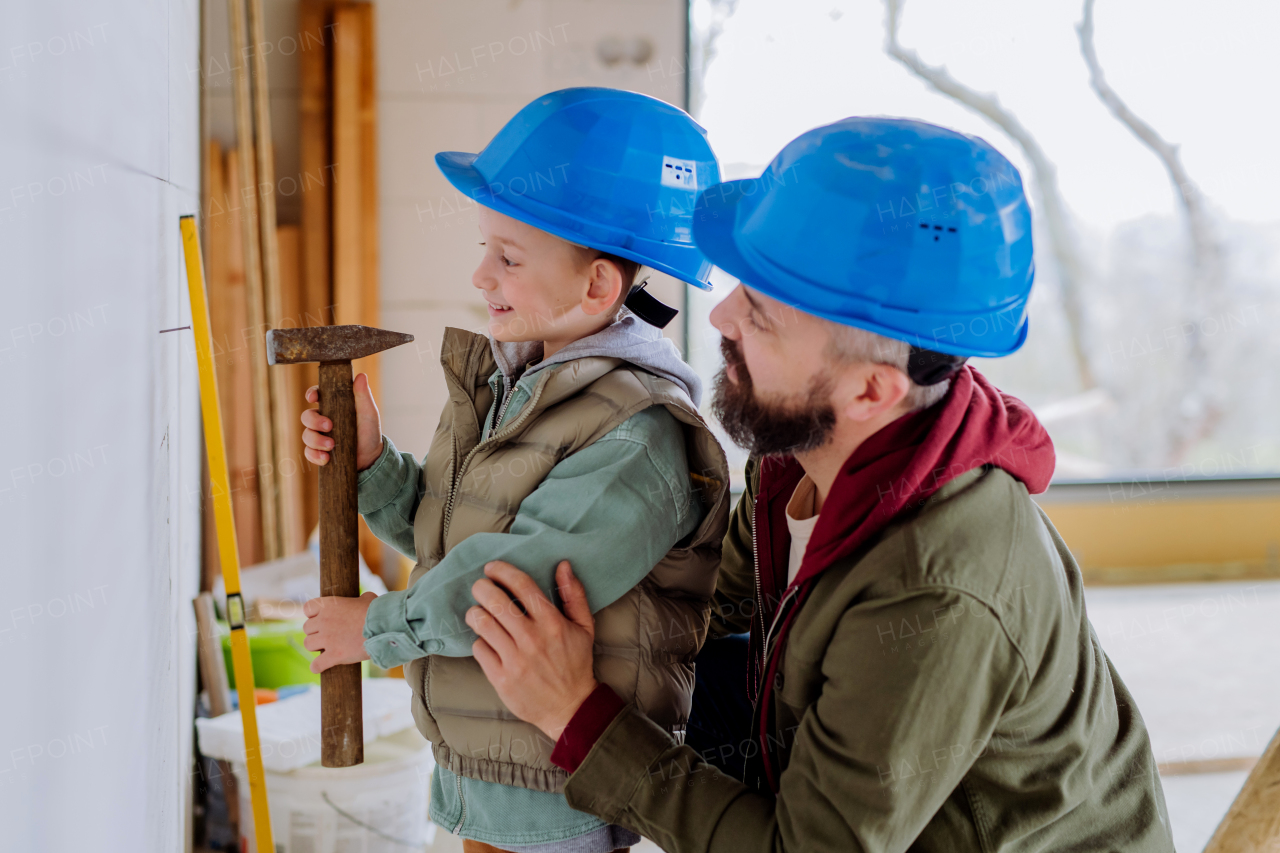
288, 508
215, 223
290, 460
315, 40
370, 546
213, 673
1206, 765
1252, 824
348, 266
262, 416
315, 150
213, 667
370, 309
226, 316
241, 428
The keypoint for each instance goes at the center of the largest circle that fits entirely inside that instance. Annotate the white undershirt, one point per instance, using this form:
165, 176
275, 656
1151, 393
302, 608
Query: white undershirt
801, 520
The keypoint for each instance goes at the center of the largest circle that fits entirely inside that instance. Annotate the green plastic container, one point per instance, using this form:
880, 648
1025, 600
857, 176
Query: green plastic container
279, 657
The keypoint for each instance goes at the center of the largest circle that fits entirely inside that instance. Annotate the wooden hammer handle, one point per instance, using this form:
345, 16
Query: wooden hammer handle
341, 713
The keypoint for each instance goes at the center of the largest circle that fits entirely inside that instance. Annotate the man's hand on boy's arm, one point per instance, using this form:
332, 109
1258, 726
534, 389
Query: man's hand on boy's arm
607, 508
368, 427
336, 627
539, 661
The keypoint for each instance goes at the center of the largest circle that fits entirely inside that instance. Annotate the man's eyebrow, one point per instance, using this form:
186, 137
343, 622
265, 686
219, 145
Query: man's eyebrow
746, 291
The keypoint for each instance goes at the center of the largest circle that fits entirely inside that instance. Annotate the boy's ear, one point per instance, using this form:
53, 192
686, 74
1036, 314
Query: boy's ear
604, 287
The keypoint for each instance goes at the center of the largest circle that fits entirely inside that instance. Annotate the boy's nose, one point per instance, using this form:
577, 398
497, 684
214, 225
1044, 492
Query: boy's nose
481, 279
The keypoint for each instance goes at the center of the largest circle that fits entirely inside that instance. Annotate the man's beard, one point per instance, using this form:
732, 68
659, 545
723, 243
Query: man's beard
798, 423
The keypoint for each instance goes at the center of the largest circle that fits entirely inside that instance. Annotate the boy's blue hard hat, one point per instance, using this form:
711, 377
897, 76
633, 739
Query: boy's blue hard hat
899, 227
612, 170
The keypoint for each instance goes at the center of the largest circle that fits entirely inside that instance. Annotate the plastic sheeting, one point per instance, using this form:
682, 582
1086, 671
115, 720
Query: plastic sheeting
99, 424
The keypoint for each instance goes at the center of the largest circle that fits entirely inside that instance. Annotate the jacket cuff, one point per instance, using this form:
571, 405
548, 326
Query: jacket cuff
378, 484
389, 639
626, 756
589, 722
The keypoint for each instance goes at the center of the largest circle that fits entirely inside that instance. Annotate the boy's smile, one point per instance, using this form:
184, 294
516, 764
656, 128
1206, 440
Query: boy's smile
496, 310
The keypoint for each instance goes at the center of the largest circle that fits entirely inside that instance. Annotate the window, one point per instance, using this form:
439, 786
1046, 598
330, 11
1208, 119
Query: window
1167, 371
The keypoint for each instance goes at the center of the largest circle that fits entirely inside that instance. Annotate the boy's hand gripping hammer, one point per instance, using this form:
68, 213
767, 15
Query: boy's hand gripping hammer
341, 717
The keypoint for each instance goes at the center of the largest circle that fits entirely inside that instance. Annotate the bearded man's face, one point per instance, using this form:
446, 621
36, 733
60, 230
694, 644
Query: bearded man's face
790, 424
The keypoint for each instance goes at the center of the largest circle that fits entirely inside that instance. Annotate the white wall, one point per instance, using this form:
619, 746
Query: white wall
99, 428
99, 435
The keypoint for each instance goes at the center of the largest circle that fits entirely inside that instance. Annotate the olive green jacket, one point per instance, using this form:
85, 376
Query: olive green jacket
940, 690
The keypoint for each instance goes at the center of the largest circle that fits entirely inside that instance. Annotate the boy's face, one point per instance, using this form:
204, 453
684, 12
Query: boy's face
539, 287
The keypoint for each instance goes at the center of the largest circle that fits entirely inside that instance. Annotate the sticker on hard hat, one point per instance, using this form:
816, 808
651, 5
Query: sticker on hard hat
679, 173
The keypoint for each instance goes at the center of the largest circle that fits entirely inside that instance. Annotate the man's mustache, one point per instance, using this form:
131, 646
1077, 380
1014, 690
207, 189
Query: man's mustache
733, 356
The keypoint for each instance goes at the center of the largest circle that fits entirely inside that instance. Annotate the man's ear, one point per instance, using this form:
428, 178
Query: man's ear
604, 286
876, 389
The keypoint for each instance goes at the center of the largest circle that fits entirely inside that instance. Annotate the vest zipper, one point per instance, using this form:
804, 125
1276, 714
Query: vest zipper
462, 801
506, 399
457, 479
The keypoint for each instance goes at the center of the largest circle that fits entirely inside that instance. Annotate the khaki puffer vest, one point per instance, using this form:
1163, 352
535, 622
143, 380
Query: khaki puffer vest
645, 641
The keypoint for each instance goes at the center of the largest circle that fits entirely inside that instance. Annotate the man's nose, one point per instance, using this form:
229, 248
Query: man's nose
728, 314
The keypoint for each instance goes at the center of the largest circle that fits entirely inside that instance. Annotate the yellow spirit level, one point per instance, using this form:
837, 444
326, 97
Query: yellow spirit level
228, 554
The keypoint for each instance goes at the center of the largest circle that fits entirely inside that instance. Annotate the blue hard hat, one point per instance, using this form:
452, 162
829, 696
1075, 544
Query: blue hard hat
899, 227
612, 170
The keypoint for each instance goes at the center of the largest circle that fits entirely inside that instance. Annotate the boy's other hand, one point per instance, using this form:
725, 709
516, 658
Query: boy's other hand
537, 660
336, 627
316, 438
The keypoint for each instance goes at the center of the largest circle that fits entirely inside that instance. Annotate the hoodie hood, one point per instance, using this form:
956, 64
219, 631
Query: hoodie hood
627, 338
907, 461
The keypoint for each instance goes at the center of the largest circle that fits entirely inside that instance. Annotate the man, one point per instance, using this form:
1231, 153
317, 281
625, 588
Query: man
921, 670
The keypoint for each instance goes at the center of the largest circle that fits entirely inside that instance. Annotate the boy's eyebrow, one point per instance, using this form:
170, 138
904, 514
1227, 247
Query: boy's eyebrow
506, 241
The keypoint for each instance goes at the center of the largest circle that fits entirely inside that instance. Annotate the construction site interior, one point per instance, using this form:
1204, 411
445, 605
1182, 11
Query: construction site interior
301, 136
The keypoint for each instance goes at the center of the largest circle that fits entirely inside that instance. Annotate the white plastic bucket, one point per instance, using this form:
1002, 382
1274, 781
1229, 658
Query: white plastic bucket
379, 806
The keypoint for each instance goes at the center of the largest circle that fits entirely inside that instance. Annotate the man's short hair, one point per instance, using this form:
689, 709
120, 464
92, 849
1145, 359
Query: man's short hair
851, 345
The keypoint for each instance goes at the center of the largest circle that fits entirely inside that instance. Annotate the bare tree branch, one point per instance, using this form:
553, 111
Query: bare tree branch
703, 51
1057, 220
1205, 245
1197, 419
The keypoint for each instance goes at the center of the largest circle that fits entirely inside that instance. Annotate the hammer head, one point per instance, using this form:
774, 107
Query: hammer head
329, 343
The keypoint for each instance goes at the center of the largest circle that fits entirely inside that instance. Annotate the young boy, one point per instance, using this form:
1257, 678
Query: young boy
571, 430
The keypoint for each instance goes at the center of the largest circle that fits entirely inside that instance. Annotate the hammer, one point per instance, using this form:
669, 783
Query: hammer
341, 714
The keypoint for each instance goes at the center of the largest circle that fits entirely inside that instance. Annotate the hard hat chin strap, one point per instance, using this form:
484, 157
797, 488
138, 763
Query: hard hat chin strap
648, 307
926, 367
